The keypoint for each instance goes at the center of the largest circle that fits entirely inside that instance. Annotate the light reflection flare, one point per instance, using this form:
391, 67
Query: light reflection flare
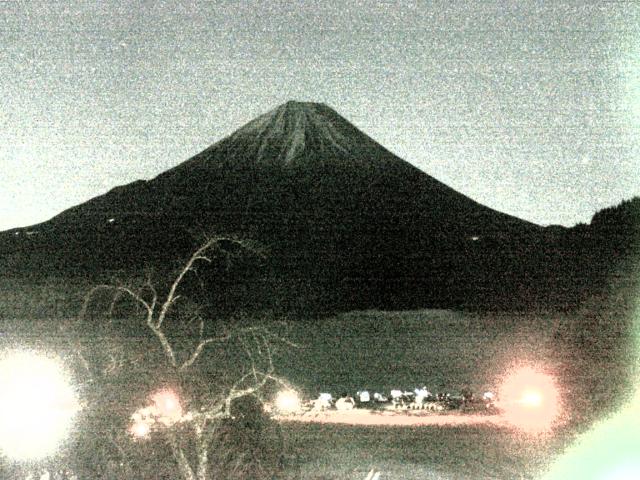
530, 400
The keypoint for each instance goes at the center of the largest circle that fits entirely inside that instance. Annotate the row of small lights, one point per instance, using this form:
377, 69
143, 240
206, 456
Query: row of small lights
38, 404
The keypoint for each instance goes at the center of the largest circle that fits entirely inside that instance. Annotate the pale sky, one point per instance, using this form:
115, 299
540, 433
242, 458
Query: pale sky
529, 107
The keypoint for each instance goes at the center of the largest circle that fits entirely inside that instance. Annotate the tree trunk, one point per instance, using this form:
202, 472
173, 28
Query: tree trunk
202, 446
183, 464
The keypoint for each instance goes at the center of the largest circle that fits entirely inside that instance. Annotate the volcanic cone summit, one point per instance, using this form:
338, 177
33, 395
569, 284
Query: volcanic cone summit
333, 206
295, 130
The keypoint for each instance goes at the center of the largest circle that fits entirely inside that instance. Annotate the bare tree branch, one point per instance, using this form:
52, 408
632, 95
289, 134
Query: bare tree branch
114, 300
181, 458
256, 340
198, 350
171, 296
270, 335
148, 285
202, 452
164, 342
201, 328
118, 290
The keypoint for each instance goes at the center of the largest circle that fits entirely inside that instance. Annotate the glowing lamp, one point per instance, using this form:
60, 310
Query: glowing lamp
288, 401
167, 404
530, 400
140, 429
37, 405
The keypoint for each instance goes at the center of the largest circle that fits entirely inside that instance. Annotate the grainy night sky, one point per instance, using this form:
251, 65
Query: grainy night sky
532, 108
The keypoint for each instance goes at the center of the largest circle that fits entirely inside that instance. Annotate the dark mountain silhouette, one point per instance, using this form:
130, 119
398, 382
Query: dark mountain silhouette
346, 223
301, 159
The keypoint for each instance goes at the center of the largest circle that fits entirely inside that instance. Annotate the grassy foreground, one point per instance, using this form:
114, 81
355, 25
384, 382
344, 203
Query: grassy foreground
448, 351
588, 351
342, 452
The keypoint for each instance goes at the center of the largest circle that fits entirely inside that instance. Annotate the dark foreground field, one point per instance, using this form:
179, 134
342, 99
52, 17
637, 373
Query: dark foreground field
590, 352
342, 452
448, 351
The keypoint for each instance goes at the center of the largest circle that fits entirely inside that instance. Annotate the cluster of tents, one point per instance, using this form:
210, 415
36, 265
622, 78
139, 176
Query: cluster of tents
420, 397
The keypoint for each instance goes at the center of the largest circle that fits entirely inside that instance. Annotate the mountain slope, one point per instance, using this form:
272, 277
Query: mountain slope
338, 212
300, 158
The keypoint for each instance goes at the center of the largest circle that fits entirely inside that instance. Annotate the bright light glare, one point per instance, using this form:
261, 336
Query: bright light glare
530, 400
140, 429
168, 406
288, 401
37, 405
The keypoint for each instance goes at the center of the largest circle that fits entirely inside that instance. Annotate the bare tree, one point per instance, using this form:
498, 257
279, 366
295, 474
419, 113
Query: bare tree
189, 429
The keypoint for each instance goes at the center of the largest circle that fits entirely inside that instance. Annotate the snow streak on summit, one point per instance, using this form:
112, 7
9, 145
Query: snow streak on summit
294, 130
298, 135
